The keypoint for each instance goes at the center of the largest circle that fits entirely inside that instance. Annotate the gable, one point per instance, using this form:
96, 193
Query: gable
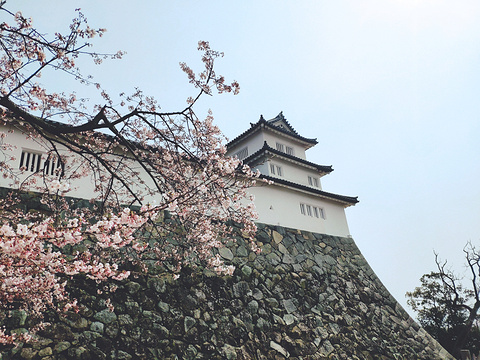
278, 125
281, 122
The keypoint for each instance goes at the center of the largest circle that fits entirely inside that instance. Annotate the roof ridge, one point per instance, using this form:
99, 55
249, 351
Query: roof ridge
268, 123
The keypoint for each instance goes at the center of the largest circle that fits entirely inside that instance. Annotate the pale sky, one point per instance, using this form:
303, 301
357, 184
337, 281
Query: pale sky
390, 88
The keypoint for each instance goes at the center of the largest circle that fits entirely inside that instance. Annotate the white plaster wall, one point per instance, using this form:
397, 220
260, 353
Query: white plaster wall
275, 205
273, 138
82, 188
280, 206
254, 143
294, 173
263, 168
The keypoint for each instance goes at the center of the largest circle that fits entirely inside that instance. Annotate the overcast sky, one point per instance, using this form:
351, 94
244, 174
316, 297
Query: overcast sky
390, 88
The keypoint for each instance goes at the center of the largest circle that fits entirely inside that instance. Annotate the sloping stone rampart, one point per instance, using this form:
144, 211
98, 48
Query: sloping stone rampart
306, 296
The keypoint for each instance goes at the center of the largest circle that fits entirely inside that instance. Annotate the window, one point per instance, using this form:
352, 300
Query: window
312, 211
242, 154
302, 209
275, 169
313, 181
30, 161
279, 171
285, 149
51, 165
322, 213
309, 210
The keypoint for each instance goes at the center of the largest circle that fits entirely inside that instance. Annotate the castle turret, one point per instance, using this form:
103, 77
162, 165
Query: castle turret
295, 197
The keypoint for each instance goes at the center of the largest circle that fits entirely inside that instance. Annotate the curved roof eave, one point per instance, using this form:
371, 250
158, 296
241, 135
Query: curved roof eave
345, 200
321, 168
267, 124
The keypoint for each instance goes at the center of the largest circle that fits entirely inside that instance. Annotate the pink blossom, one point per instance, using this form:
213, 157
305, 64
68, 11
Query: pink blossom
175, 158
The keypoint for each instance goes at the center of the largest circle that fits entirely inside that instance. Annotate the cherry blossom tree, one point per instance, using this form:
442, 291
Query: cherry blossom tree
162, 184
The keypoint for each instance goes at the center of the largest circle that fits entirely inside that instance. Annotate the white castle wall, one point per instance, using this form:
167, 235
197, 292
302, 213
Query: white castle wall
293, 172
272, 138
276, 205
83, 187
281, 206
254, 143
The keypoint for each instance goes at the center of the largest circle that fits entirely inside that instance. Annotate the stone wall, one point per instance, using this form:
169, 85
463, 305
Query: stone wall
306, 296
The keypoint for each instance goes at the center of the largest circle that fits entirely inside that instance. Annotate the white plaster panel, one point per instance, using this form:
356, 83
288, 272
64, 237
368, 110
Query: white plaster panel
281, 206
294, 172
273, 138
254, 143
81, 187
276, 205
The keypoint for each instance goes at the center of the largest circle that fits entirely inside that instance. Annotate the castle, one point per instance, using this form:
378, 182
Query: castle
309, 294
294, 198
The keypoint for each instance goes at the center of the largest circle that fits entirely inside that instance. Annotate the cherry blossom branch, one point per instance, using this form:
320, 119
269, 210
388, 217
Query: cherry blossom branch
141, 161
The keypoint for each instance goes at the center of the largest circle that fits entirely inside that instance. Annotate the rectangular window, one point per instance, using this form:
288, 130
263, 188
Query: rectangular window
313, 181
52, 165
309, 210
30, 161
279, 171
280, 147
313, 211
322, 213
302, 209
289, 150
275, 169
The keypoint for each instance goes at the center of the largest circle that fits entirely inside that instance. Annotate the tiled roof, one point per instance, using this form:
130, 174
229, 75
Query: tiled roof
347, 200
269, 124
322, 168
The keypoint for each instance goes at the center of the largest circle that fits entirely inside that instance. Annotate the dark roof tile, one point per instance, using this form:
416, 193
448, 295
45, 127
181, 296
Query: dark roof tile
269, 124
348, 200
266, 147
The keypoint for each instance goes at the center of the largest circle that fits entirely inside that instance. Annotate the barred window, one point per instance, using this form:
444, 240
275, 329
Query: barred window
51, 165
276, 170
322, 213
302, 209
30, 161
309, 210
313, 181
312, 211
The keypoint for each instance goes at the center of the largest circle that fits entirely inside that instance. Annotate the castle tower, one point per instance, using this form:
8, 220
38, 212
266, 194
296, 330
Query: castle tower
295, 197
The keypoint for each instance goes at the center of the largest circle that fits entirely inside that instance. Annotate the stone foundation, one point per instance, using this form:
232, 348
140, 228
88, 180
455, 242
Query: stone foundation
306, 296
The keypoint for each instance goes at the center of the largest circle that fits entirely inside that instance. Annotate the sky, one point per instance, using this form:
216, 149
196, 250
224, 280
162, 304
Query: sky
390, 89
